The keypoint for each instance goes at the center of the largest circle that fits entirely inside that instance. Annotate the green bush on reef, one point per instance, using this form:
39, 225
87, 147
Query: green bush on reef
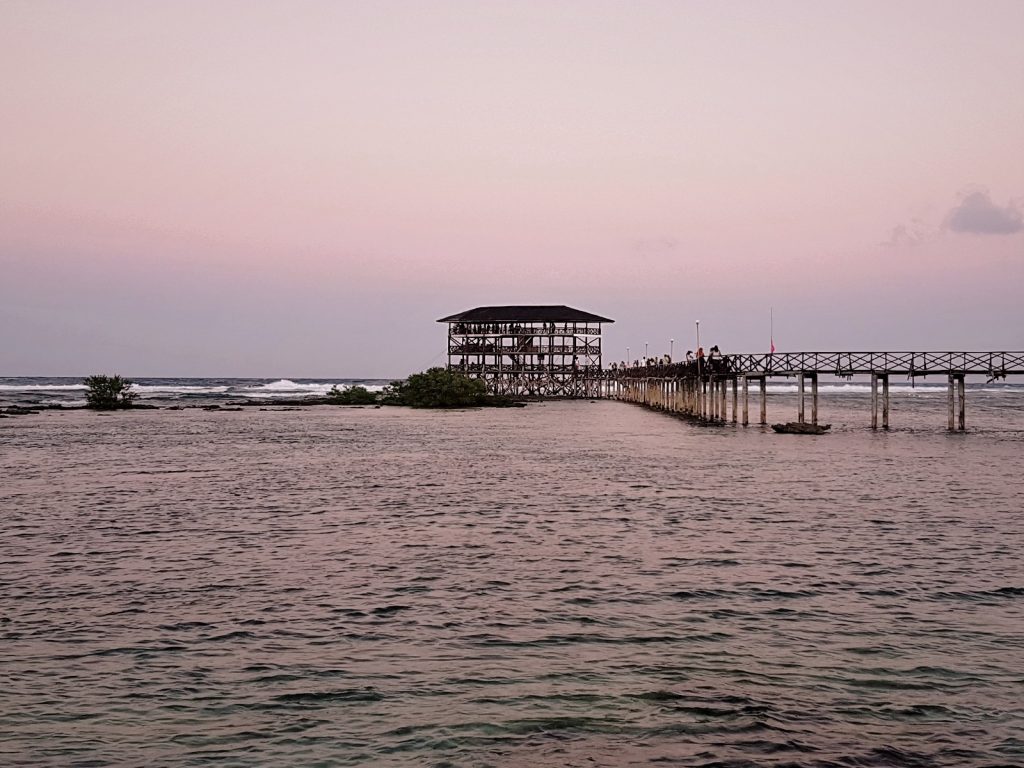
437, 388
108, 393
354, 395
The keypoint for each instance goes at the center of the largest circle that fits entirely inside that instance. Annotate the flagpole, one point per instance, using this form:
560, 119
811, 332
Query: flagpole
771, 328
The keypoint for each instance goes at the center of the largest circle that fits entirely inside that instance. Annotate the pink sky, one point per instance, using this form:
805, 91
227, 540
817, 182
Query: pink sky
302, 188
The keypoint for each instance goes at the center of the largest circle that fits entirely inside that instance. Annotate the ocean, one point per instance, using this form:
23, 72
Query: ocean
69, 392
573, 583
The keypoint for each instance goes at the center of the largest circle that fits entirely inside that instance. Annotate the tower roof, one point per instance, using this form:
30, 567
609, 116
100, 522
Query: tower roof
526, 313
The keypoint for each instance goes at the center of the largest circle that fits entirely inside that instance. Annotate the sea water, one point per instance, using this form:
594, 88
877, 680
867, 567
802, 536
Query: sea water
572, 583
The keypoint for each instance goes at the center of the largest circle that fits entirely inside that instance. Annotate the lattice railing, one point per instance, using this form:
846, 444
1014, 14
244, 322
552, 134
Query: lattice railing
908, 363
991, 364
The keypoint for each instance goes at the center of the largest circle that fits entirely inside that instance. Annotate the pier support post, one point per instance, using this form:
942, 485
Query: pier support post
961, 388
957, 418
814, 399
874, 401
735, 397
885, 401
951, 422
723, 411
764, 399
800, 399
746, 402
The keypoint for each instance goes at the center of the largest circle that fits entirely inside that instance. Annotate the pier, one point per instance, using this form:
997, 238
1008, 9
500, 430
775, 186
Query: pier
701, 389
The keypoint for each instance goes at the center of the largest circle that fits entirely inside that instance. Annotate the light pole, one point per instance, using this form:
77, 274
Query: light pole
645, 352
700, 381
628, 361
671, 348
698, 350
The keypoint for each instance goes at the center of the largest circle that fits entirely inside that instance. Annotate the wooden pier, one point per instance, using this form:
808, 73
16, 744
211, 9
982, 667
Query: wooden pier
700, 389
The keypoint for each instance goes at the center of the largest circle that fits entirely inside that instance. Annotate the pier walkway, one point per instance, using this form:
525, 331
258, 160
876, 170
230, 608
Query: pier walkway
700, 389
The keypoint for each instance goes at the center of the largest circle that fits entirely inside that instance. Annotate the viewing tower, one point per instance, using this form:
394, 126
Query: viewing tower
549, 350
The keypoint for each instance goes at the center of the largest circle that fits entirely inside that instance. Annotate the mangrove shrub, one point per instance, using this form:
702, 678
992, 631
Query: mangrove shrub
108, 393
437, 388
354, 395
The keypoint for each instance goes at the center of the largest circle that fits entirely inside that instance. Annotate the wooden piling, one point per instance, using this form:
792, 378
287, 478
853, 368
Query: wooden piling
885, 400
814, 399
735, 398
951, 388
764, 400
961, 387
800, 399
874, 401
746, 401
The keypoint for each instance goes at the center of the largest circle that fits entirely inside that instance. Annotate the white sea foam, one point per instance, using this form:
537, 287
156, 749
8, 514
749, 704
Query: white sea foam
288, 388
165, 389
285, 385
41, 387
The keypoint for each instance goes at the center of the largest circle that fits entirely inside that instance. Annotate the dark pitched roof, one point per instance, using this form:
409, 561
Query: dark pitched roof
544, 313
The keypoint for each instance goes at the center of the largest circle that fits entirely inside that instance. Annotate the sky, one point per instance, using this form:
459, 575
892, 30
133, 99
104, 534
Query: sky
301, 188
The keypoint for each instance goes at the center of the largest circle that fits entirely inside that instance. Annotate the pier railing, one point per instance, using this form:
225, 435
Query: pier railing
995, 365
992, 364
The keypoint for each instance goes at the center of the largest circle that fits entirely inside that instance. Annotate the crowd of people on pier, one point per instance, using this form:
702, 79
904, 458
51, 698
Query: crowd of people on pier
694, 364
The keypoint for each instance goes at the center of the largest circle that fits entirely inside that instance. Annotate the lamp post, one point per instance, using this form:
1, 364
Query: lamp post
700, 382
671, 348
699, 361
628, 361
645, 352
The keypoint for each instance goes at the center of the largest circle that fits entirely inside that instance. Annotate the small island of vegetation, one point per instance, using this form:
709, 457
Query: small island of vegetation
433, 388
108, 393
